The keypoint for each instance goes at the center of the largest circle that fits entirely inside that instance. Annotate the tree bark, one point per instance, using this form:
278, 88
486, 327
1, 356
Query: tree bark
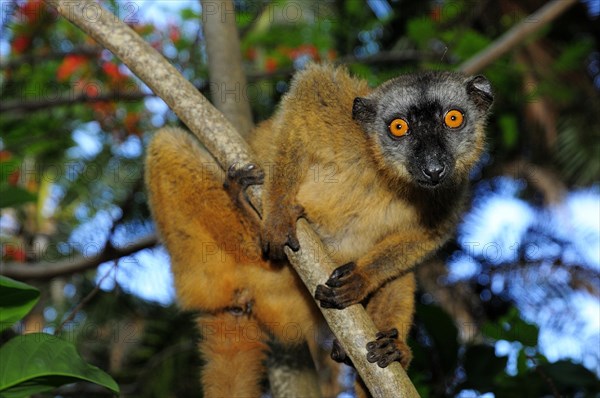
227, 79
49, 269
351, 326
291, 370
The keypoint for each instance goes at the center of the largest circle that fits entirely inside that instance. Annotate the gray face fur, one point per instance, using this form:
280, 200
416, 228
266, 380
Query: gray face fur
428, 153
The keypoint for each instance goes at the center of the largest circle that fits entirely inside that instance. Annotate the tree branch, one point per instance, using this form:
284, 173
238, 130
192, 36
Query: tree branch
291, 370
40, 104
227, 78
351, 326
516, 35
37, 58
50, 269
392, 57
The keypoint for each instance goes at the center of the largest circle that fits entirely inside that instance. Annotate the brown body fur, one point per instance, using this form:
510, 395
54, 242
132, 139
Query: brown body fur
219, 270
318, 164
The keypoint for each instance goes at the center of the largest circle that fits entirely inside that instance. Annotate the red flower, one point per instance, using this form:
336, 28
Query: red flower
131, 123
251, 54
92, 90
174, 33
304, 49
5, 155
436, 13
310, 50
113, 72
13, 178
20, 44
104, 110
271, 64
69, 65
31, 10
14, 252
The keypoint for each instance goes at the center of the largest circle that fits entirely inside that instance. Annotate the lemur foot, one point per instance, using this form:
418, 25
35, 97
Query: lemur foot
238, 180
387, 349
345, 286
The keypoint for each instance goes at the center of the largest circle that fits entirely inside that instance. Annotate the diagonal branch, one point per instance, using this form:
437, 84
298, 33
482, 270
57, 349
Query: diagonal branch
516, 35
291, 371
352, 326
70, 265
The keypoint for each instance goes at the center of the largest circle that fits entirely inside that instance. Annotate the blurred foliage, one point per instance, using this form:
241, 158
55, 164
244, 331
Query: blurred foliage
74, 122
441, 367
37, 362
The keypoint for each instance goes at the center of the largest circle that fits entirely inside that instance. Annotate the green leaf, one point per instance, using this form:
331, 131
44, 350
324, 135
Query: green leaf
512, 328
510, 130
12, 196
188, 13
573, 56
16, 300
421, 30
38, 362
7, 167
469, 44
567, 375
442, 331
522, 365
354, 8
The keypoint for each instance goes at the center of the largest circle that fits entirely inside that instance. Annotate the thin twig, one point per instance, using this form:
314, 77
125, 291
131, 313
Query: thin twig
51, 269
547, 379
86, 299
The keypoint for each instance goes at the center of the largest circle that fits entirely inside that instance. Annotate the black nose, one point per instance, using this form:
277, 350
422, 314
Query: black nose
434, 172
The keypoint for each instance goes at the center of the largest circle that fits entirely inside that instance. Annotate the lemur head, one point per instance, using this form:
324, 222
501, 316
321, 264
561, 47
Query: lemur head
426, 128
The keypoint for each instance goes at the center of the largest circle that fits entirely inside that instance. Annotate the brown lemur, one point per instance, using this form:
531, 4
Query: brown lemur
382, 176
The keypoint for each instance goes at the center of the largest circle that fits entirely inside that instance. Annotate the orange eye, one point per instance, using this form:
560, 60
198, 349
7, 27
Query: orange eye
398, 127
454, 118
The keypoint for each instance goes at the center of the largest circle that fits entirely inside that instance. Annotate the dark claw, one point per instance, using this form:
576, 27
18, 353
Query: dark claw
323, 292
338, 354
372, 357
278, 231
249, 174
293, 243
327, 297
273, 252
276, 252
390, 334
387, 360
265, 248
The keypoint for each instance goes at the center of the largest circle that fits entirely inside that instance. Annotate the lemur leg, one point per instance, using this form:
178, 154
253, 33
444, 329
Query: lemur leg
392, 308
235, 353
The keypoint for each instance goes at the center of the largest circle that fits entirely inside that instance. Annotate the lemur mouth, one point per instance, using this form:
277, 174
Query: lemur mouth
429, 184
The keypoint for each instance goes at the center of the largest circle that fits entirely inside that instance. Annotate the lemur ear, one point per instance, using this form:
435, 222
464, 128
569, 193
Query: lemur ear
479, 90
363, 110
